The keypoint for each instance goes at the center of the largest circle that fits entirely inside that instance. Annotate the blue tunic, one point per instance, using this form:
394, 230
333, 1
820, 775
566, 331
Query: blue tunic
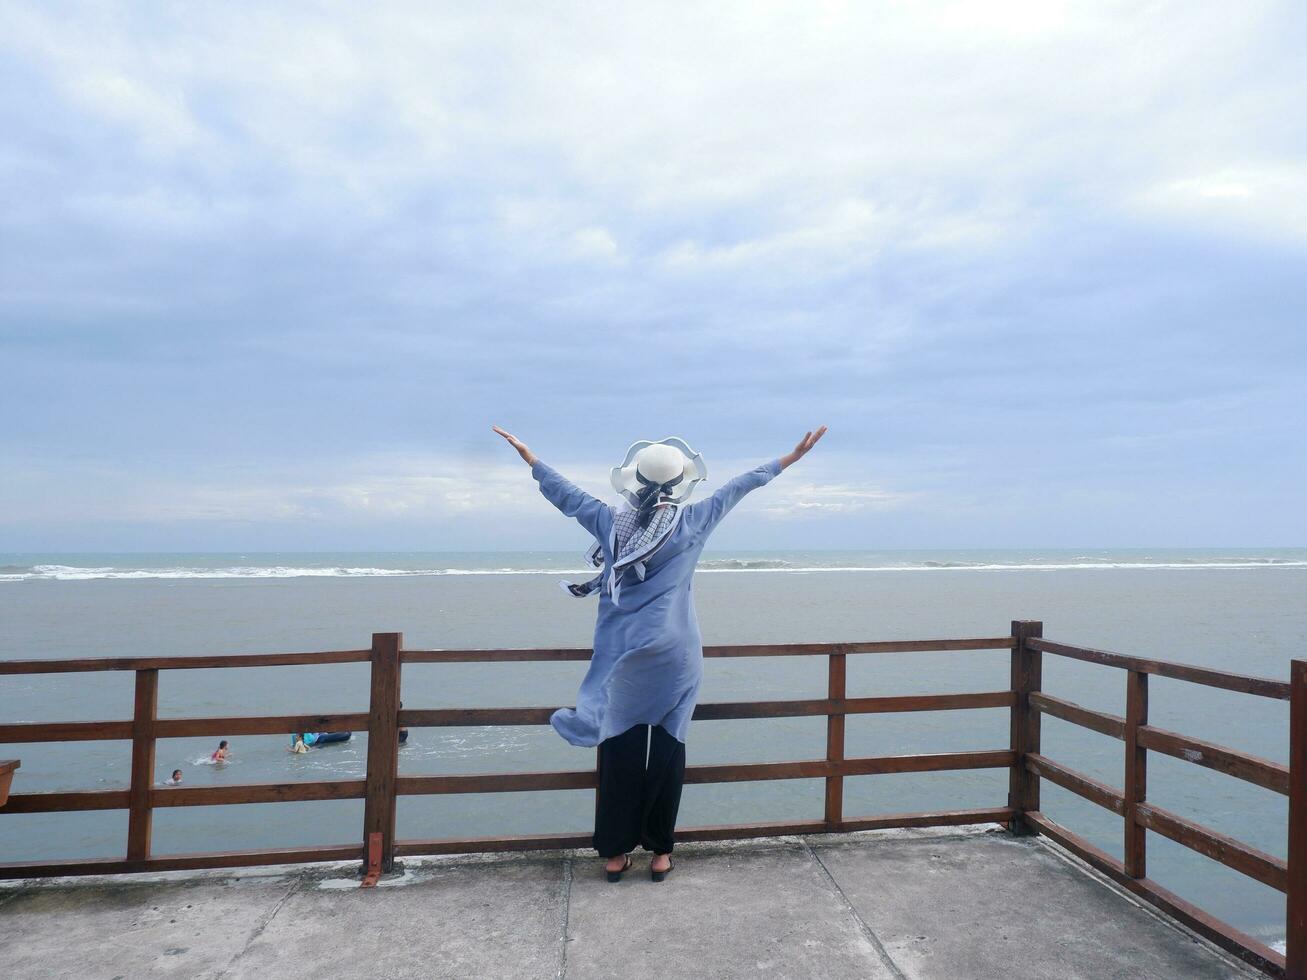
648, 655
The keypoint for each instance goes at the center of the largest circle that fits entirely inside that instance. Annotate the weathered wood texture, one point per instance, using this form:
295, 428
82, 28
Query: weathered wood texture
1027, 678
1266, 868
1296, 901
835, 691
1136, 773
200, 661
469, 845
139, 814
1098, 721
1241, 765
722, 711
1265, 687
383, 745
1077, 782
753, 650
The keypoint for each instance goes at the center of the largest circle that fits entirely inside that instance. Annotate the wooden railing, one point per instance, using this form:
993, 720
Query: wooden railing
1025, 699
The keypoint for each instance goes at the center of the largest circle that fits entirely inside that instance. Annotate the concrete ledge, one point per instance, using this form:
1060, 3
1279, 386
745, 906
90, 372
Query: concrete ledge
971, 903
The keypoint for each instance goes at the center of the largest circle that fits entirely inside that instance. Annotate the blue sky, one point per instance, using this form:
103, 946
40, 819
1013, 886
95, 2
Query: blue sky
269, 273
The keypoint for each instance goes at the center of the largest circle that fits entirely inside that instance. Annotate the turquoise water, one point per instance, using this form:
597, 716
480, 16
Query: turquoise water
1241, 610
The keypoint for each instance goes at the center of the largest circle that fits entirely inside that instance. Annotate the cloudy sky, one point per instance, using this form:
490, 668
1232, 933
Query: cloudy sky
268, 273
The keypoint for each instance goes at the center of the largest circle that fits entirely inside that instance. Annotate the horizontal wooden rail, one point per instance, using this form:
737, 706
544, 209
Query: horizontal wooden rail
1242, 945
1077, 782
336, 789
1250, 768
752, 650
63, 731
507, 782
1099, 721
474, 717
546, 842
198, 662
515, 782
1266, 868
1265, 687
183, 862
60, 802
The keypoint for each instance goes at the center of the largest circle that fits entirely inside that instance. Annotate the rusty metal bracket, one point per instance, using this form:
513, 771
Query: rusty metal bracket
374, 861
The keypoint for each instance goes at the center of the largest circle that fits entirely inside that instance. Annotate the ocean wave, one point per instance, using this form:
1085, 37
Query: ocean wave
74, 573
743, 564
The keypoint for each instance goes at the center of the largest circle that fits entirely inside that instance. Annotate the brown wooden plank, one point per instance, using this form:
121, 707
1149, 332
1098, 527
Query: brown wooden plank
941, 818
1099, 721
836, 690
1077, 782
472, 845
1263, 867
926, 762
263, 725
721, 711
473, 717
197, 662
1024, 721
926, 702
1296, 900
1265, 687
513, 782
1242, 945
65, 731
383, 744
1241, 765
497, 782
139, 817
182, 862
1136, 773
67, 802
750, 650
338, 789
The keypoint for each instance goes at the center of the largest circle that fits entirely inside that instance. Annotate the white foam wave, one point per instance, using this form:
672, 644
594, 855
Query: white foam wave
72, 573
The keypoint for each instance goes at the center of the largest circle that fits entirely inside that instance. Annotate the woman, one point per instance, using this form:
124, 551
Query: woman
643, 681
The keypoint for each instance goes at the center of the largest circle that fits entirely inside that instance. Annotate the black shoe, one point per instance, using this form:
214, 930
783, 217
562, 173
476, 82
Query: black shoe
660, 875
617, 875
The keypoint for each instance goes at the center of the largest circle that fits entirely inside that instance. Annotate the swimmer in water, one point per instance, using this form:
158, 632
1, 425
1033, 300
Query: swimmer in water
174, 779
220, 753
297, 744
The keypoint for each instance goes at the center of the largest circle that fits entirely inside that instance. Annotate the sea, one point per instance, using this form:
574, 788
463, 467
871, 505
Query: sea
1242, 610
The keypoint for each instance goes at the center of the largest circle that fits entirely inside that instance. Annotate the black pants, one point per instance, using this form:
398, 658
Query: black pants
637, 801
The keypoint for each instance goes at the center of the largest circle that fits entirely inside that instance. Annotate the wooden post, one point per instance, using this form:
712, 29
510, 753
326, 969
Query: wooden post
1295, 918
139, 814
1027, 676
835, 691
383, 746
1136, 773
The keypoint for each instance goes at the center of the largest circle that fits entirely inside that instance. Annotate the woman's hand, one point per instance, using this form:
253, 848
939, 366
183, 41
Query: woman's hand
517, 444
807, 442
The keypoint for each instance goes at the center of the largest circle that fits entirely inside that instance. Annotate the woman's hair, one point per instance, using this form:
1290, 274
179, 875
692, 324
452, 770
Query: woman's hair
222, 744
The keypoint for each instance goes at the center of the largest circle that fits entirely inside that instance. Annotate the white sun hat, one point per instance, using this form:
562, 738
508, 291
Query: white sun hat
668, 462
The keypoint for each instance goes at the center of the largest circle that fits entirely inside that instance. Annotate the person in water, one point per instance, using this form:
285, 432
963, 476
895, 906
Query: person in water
174, 779
643, 681
220, 753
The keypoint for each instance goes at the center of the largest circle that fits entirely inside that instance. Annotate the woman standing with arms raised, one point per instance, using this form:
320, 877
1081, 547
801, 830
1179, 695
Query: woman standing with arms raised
643, 681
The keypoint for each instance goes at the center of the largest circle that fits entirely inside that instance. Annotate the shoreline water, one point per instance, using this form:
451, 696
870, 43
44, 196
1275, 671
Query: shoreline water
1249, 620
24, 567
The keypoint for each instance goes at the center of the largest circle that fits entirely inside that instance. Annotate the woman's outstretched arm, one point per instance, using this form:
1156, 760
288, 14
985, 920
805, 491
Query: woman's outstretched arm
591, 513
704, 515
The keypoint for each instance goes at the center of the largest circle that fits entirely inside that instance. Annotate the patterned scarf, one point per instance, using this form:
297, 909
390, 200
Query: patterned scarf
638, 532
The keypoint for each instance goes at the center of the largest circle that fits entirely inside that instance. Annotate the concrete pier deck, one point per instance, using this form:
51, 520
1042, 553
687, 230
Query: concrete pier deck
897, 904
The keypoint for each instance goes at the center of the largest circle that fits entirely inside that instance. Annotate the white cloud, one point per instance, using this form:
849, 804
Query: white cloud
807, 500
